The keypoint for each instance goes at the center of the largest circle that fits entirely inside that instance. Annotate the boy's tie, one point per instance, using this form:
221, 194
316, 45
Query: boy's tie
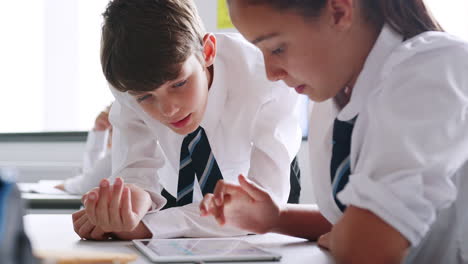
197, 159
340, 164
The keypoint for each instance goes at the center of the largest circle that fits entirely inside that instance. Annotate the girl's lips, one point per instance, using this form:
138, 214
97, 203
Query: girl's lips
300, 89
182, 122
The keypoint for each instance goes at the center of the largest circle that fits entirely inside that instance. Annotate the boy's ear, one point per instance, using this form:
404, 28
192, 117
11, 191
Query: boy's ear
209, 49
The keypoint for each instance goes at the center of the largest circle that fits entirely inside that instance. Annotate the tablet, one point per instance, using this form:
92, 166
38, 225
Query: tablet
202, 250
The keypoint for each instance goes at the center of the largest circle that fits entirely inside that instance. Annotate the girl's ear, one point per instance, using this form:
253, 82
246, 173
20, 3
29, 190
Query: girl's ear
342, 13
209, 49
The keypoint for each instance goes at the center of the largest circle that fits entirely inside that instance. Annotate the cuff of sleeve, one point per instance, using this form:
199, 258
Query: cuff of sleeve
386, 202
158, 201
165, 224
73, 185
186, 221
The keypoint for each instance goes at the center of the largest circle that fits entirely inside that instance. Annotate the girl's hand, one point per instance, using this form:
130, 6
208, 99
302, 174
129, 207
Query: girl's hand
324, 241
247, 206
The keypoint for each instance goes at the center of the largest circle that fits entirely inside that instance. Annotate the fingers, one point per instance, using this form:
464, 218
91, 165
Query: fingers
219, 193
90, 202
79, 219
78, 215
98, 234
102, 207
206, 204
256, 192
115, 219
324, 241
209, 207
128, 216
223, 189
85, 230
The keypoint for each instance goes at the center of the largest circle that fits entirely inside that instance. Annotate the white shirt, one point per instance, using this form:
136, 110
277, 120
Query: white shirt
409, 147
250, 123
96, 164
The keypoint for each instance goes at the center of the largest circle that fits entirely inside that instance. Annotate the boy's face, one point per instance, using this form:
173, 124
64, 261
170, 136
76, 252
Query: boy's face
179, 104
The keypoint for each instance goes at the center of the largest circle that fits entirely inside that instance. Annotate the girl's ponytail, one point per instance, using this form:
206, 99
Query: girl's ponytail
407, 17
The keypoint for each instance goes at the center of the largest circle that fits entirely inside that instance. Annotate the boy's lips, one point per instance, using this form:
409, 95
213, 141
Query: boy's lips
182, 122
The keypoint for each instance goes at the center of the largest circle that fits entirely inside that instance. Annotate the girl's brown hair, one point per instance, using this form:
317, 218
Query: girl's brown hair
407, 17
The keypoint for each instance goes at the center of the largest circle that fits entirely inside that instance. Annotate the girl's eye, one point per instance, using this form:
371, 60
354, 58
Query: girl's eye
144, 97
179, 84
278, 51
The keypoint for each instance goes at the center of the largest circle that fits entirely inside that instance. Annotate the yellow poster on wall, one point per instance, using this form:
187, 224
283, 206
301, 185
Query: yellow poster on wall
223, 15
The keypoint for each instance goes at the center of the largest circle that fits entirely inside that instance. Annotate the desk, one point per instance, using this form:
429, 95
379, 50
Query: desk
52, 232
49, 201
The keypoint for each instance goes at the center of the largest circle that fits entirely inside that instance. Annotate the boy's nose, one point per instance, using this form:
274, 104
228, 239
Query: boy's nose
169, 109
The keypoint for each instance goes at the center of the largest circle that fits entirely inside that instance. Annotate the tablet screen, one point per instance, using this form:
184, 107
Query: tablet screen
203, 249
196, 247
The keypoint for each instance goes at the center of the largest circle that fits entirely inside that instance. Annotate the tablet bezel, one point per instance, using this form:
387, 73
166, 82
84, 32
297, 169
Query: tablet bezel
266, 256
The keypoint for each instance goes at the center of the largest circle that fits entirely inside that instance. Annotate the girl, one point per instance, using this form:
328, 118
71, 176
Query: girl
390, 170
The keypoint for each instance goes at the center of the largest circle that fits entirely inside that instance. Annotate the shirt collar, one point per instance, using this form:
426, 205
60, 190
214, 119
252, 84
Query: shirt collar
387, 41
217, 96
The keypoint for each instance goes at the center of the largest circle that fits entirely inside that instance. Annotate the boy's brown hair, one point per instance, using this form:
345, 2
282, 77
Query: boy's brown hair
145, 42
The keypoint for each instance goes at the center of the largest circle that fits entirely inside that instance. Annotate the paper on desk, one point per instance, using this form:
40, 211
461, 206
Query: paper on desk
43, 187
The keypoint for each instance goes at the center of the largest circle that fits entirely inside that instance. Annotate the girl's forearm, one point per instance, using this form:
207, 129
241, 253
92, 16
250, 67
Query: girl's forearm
303, 221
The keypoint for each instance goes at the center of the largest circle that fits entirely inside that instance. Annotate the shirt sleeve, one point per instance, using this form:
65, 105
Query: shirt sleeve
276, 140
135, 155
186, 221
95, 164
414, 142
95, 148
89, 179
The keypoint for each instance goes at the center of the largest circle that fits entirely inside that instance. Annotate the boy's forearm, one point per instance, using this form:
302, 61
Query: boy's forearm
140, 232
303, 221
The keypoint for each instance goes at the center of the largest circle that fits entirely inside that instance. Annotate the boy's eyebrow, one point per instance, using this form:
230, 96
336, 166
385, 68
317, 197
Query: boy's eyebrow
264, 37
135, 93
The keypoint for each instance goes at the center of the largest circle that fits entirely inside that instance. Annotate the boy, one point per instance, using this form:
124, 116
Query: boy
179, 111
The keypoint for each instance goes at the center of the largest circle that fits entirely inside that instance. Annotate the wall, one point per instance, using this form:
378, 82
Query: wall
34, 161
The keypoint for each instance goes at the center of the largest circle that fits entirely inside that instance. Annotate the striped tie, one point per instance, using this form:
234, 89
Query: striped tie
340, 168
197, 159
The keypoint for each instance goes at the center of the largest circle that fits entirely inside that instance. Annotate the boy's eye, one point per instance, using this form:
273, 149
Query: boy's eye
144, 97
179, 84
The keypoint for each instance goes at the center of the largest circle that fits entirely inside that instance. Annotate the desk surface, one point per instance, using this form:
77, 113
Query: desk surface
55, 232
44, 196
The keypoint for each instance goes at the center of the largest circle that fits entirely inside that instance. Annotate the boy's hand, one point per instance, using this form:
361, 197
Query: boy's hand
247, 206
85, 229
117, 208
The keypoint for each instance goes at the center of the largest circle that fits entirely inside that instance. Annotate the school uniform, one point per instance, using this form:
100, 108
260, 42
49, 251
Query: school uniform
408, 144
250, 124
96, 164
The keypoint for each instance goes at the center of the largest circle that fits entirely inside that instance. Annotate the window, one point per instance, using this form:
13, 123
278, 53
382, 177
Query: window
50, 71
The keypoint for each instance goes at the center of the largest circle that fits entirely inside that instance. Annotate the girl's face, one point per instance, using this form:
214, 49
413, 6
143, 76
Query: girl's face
313, 55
